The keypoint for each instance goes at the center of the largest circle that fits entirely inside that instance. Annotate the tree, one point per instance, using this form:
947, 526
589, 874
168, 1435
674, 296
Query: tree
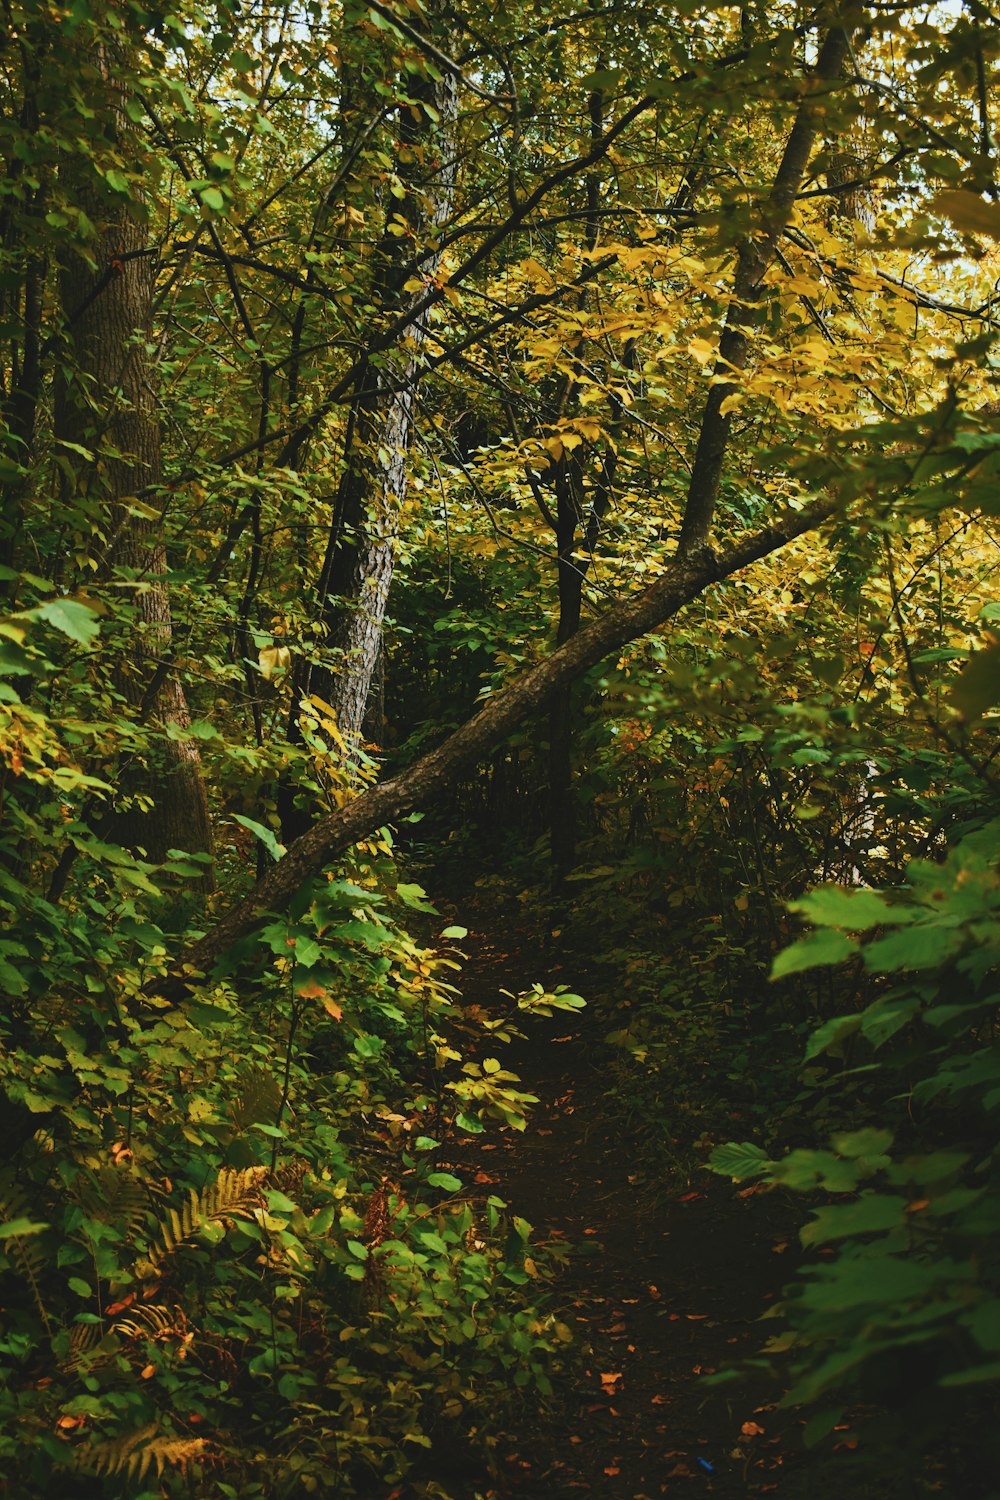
106, 415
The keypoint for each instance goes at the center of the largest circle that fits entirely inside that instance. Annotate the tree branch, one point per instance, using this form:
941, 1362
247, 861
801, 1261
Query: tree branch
687, 577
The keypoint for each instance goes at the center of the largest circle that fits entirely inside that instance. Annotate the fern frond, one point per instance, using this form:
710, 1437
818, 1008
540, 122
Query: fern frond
137, 1453
83, 1340
233, 1195
154, 1322
24, 1251
112, 1195
258, 1100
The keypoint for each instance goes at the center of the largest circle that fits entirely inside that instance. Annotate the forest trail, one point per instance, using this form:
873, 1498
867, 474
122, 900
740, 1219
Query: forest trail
659, 1291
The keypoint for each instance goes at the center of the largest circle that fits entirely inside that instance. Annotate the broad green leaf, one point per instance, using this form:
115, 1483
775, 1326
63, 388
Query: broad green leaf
924, 947
446, 1180
872, 1213
853, 910
15, 1228
414, 896
831, 1034
866, 1142
815, 951
71, 617
739, 1161
266, 835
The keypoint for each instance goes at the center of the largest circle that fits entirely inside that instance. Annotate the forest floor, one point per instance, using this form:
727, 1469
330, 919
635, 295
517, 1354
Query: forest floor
663, 1286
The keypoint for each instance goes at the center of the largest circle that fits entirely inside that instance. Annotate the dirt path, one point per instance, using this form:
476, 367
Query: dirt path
658, 1297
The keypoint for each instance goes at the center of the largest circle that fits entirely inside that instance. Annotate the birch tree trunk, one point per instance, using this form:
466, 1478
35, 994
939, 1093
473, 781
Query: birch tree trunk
357, 572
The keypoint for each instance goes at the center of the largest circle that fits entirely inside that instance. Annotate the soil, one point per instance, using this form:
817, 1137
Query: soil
661, 1291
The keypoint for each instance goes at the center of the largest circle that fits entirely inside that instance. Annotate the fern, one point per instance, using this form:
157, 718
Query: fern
112, 1195
233, 1195
137, 1453
83, 1340
258, 1100
24, 1251
153, 1322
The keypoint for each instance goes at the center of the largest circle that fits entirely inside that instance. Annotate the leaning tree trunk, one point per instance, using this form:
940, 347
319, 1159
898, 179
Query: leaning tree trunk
107, 405
357, 572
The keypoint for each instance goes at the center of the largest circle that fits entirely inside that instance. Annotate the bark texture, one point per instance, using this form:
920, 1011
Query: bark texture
358, 569
107, 405
754, 256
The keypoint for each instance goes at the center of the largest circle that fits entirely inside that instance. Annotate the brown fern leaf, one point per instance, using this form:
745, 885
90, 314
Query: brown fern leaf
155, 1323
138, 1452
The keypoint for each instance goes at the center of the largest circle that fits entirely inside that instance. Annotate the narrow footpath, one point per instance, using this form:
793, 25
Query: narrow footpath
662, 1289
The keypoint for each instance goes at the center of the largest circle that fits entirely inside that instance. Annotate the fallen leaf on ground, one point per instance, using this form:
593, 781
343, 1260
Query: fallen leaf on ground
751, 1429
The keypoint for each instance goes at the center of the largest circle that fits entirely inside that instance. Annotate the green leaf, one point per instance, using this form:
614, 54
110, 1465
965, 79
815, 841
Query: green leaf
851, 909
69, 616
307, 951
266, 835
739, 1161
866, 1142
15, 1228
830, 1034
873, 1212
414, 896
924, 947
815, 951
445, 1180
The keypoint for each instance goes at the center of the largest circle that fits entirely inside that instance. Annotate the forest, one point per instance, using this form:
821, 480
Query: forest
499, 775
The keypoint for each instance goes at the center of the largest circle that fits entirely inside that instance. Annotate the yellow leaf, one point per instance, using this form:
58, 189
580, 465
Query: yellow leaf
972, 214
701, 350
272, 659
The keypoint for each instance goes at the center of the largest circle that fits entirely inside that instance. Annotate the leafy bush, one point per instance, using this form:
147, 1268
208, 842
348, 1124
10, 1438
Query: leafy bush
905, 1297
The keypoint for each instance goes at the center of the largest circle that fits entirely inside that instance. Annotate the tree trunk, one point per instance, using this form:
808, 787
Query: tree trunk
571, 510
357, 573
107, 405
